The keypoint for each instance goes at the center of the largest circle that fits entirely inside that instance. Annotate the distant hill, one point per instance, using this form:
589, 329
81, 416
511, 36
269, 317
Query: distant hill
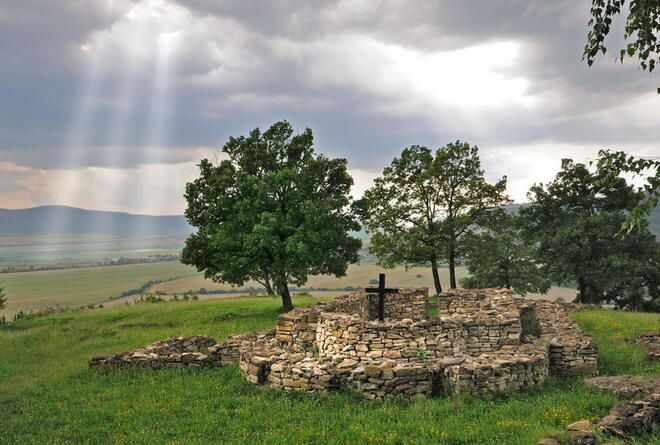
654, 217
62, 220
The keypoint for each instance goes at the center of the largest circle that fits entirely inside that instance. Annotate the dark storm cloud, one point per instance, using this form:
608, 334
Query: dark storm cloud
245, 64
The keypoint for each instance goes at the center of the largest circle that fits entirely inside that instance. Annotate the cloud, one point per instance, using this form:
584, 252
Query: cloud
117, 89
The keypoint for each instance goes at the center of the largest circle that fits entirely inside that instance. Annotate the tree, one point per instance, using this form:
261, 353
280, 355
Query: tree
641, 31
421, 206
614, 164
403, 214
3, 297
499, 256
274, 209
465, 195
575, 219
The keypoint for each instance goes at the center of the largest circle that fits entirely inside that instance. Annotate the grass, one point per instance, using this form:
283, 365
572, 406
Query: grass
49, 396
609, 328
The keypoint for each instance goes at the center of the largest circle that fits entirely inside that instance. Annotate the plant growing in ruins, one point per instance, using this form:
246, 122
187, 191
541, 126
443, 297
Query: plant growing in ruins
423, 204
275, 207
576, 220
499, 256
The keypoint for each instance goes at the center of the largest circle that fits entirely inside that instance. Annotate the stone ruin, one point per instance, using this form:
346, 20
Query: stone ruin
480, 341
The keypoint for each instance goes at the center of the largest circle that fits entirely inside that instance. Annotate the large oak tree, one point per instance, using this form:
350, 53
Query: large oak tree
275, 209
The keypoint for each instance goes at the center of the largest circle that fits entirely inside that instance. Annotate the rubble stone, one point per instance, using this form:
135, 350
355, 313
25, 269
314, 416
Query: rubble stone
476, 344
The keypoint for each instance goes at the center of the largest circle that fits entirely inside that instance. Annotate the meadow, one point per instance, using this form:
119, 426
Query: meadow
49, 395
28, 291
32, 291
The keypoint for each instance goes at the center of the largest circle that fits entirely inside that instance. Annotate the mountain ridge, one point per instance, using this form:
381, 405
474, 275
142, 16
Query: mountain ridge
65, 220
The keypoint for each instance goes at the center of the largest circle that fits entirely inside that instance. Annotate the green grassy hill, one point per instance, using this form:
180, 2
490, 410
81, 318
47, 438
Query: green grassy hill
48, 395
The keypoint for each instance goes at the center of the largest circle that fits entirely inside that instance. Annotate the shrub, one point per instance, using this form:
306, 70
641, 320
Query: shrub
530, 324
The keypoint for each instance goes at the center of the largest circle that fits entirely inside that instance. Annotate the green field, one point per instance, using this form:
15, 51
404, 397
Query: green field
357, 275
28, 291
75, 287
76, 249
48, 394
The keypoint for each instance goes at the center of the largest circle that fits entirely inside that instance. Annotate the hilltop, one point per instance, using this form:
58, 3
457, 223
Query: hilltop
218, 406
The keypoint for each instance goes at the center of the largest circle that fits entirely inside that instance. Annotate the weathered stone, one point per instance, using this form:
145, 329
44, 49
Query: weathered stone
475, 344
627, 385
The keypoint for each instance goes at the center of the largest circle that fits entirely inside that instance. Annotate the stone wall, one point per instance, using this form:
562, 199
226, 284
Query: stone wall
407, 303
509, 368
473, 302
175, 352
475, 344
352, 337
298, 327
198, 351
572, 352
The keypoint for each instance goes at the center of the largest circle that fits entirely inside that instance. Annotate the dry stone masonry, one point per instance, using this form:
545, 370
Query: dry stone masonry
480, 341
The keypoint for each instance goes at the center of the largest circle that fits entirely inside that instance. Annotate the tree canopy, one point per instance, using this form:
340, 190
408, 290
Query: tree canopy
275, 209
612, 165
498, 255
423, 203
575, 220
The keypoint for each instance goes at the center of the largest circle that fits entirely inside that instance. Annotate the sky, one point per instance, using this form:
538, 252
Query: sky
110, 104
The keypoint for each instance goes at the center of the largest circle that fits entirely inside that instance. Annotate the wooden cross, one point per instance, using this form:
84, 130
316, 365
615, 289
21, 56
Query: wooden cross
381, 290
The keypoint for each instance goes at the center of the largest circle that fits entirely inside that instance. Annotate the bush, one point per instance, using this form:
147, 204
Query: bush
530, 324
150, 298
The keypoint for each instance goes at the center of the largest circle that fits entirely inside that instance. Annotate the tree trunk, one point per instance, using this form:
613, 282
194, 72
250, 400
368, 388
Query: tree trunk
452, 267
582, 291
283, 289
269, 289
436, 276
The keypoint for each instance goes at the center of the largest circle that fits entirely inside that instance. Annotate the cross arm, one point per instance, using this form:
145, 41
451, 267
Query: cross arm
377, 290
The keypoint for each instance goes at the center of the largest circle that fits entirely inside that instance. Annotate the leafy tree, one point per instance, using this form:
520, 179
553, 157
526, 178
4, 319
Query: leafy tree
614, 164
499, 256
422, 205
465, 195
403, 213
641, 31
274, 207
575, 219
3, 297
